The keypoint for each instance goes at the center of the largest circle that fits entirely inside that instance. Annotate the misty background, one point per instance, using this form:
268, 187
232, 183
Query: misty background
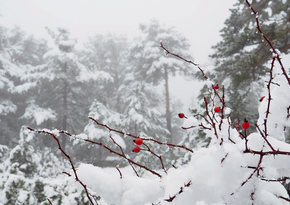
199, 21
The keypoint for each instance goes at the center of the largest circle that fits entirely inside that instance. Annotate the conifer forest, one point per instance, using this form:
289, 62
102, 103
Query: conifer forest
97, 124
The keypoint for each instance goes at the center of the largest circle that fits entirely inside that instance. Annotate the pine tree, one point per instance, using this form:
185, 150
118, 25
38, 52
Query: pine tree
139, 115
109, 54
64, 87
241, 57
19, 53
26, 176
149, 65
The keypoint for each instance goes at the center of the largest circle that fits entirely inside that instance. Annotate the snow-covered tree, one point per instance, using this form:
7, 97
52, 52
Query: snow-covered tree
26, 176
64, 86
109, 54
241, 57
149, 66
19, 53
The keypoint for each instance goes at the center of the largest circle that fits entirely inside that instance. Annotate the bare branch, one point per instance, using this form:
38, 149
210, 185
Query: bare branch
188, 61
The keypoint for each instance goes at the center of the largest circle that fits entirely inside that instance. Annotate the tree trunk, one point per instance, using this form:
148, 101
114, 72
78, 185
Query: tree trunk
168, 114
64, 117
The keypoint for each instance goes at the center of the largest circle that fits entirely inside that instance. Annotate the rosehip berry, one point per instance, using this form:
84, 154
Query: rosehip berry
138, 141
217, 109
181, 115
216, 86
262, 98
245, 124
136, 149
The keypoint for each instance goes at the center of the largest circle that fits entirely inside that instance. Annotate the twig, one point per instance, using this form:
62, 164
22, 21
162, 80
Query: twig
268, 41
286, 199
171, 198
212, 123
265, 138
69, 159
146, 139
188, 61
124, 155
49, 201
158, 156
121, 176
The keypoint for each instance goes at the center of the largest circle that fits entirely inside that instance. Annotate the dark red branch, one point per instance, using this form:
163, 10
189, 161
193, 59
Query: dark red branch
144, 139
188, 61
158, 156
49, 201
68, 157
121, 176
212, 123
265, 138
268, 41
171, 198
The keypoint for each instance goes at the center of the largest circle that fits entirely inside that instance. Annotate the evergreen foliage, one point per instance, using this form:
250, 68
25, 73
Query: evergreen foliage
242, 55
148, 65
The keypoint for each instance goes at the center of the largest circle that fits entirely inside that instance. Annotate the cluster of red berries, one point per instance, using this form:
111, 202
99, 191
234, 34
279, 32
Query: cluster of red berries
138, 141
245, 124
216, 109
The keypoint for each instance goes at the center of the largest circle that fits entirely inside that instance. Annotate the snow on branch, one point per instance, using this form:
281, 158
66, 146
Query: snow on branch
146, 139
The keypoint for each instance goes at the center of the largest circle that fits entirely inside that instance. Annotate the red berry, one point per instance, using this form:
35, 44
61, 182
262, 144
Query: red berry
216, 86
181, 115
245, 124
136, 149
262, 98
217, 109
138, 141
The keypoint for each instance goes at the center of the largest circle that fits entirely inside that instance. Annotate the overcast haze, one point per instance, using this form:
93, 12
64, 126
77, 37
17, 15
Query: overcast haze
198, 20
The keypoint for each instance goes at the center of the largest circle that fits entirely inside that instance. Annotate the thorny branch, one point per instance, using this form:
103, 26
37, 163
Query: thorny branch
171, 198
124, 155
212, 123
188, 61
49, 201
158, 156
268, 41
144, 139
69, 159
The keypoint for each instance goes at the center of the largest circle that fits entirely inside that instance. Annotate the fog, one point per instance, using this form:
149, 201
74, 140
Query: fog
199, 21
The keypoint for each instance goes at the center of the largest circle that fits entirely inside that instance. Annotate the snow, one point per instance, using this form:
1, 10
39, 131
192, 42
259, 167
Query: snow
38, 114
190, 122
129, 190
7, 107
24, 87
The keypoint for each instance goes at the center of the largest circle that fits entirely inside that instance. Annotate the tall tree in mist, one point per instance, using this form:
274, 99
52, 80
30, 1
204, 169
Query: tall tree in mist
18, 54
151, 66
64, 86
109, 54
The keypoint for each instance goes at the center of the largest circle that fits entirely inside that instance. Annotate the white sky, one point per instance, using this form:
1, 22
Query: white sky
198, 20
